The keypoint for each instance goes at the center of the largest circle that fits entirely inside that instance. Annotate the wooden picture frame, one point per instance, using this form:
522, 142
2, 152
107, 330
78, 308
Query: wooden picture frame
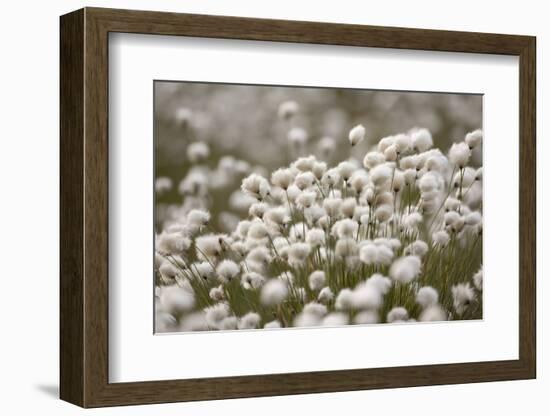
84, 207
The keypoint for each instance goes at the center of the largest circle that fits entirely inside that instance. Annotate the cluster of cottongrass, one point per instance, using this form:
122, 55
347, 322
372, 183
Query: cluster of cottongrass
396, 237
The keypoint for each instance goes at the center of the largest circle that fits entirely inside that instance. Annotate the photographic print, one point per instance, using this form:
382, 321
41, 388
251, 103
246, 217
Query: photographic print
288, 206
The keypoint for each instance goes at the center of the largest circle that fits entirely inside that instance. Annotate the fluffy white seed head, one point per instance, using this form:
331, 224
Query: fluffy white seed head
463, 296
227, 270
459, 154
397, 314
325, 295
344, 300
433, 313
421, 140
288, 109
273, 292
473, 139
427, 296
405, 269
478, 279
175, 299
356, 135
317, 280
198, 152
249, 321
297, 136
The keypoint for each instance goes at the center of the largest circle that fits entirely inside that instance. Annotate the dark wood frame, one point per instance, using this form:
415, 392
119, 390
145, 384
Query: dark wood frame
84, 207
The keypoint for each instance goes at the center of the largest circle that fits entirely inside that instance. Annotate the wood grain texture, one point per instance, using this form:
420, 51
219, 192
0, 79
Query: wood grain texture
84, 207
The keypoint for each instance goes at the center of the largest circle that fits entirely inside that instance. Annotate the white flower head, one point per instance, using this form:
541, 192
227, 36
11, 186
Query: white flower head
373, 159
163, 185
344, 300
315, 237
252, 280
175, 299
441, 238
282, 178
478, 279
325, 295
317, 280
433, 313
198, 152
227, 270
298, 253
304, 164
249, 321
397, 314
216, 313
274, 291
297, 136
335, 319
172, 243
380, 174
473, 139
421, 140
356, 135
366, 318
327, 146
417, 248
217, 293
304, 180
256, 186
427, 296
463, 296
346, 169
459, 154
257, 230
405, 269
273, 325
306, 199
288, 109
366, 296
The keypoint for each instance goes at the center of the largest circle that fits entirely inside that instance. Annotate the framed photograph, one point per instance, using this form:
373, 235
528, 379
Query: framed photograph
264, 207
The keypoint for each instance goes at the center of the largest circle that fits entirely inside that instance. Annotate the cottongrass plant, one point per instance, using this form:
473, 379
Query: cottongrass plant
396, 238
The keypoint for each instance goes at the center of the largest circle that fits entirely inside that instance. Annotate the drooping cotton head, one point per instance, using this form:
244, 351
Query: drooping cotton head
282, 178
357, 135
405, 269
274, 291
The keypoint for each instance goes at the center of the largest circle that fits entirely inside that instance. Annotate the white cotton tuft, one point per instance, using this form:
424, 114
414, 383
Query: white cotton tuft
257, 230
273, 292
175, 299
405, 269
421, 140
298, 253
306, 199
459, 154
357, 134
346, 247
317, 280
327, 146
227, 270
325, 295
198, 217
366, 296
344, 300
256, 186
288, 109
282, 178
463, 296
249, 321
217, 293
335, 319
198, 152
366, 318
315, 237
441, 238
478, 279
346, 228
252, 280
380, 174
417, 248
346, 169
397, 314
272, 325
216, 313
373, 159
433, 313
473, 139
163, 184
297, 136
427, 296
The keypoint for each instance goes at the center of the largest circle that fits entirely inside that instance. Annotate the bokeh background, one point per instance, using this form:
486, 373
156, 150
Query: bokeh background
242, 121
